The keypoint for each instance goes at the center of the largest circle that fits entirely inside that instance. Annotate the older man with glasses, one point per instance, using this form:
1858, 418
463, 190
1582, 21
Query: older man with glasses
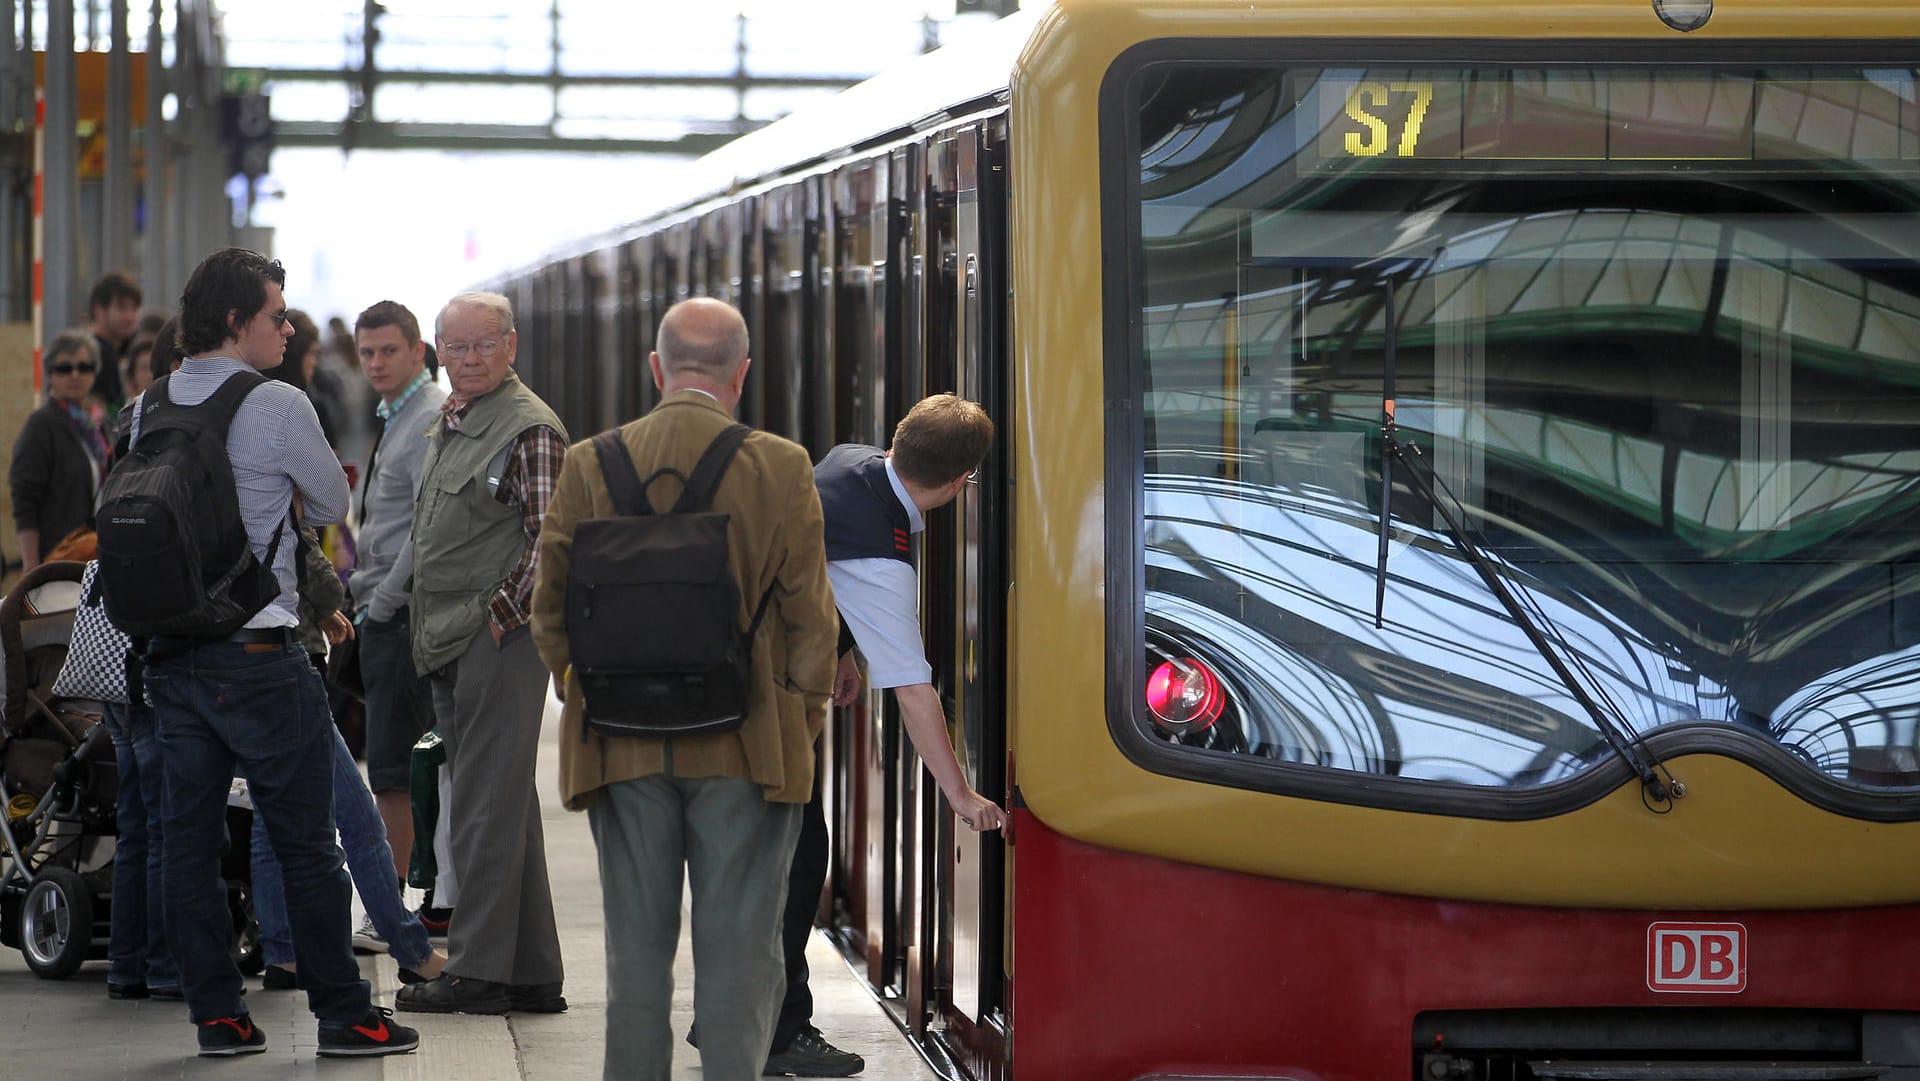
492, 456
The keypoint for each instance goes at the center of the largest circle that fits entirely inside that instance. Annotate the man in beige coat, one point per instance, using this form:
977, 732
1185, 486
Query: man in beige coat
726, 807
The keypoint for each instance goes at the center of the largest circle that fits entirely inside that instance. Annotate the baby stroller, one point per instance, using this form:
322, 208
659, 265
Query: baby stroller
60, 783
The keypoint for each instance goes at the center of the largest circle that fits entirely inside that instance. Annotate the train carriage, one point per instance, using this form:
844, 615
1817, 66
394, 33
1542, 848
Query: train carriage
1445, 601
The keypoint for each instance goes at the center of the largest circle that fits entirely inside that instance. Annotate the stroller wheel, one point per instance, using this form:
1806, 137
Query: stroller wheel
56, 923
248, 957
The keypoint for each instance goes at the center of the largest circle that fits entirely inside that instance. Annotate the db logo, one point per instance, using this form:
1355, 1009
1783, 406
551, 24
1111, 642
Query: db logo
1697, 957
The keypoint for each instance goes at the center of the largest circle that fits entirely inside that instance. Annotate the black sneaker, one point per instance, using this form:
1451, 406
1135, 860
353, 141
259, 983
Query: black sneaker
810, 1055
224, 1036
454, 994
436, 921
536, 998
275, 978
375, 1035
126, 990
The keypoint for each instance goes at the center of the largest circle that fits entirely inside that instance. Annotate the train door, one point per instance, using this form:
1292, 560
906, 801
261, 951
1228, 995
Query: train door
906, 380
780, 338
858, 815
963, 579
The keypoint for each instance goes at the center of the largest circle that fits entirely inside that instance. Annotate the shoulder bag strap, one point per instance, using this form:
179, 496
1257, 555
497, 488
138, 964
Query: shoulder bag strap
623, 480
705, 480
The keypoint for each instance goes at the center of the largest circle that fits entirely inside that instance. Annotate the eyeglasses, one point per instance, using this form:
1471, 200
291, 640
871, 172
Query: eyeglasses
973, 477
279, 319
69, 369
485, 348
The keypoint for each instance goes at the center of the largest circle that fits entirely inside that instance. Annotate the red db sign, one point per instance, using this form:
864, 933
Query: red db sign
1698, 957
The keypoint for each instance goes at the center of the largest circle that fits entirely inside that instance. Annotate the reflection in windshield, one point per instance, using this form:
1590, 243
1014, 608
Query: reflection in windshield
1677, 405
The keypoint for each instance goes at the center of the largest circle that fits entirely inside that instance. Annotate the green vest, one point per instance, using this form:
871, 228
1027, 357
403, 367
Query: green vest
465, 541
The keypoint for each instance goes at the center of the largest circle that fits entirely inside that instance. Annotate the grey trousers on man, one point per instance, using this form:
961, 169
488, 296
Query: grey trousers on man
736, 848
489, 704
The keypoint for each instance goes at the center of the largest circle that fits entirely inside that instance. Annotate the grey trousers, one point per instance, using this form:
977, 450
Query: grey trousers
488, 704
736, 848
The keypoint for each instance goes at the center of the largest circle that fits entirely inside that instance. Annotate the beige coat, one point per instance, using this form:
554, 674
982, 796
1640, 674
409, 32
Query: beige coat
775, 539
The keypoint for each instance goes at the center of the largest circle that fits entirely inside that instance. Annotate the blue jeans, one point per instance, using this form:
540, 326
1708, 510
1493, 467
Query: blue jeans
260, 709
137, 951
364, 836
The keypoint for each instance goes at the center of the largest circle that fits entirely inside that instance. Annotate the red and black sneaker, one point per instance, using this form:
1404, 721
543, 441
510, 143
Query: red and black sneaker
230, 1036
374, 1035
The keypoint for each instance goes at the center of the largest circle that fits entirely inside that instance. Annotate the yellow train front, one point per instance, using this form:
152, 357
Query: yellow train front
1445, 601
1583, 744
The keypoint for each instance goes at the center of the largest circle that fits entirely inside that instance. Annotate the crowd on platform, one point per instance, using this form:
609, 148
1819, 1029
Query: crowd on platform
444, 577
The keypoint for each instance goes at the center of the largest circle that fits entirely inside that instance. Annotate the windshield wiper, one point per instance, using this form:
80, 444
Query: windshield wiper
1618, 734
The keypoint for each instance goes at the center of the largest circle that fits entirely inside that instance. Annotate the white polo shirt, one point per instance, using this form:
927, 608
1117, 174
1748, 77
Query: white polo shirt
880, 601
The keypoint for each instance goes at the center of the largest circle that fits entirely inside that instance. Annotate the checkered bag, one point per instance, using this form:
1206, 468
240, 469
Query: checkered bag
96, 665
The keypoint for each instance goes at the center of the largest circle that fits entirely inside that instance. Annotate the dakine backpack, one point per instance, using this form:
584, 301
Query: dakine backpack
651, 608
174, 557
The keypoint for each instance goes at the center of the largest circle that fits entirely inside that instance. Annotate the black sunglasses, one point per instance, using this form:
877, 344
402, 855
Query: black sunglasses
69, 369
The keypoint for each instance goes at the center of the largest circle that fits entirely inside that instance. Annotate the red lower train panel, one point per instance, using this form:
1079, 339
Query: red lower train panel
1126, 966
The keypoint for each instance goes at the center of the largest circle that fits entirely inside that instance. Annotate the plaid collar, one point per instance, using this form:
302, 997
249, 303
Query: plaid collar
387, 412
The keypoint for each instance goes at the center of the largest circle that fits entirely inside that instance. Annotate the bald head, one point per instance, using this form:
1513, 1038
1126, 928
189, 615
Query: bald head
702, 338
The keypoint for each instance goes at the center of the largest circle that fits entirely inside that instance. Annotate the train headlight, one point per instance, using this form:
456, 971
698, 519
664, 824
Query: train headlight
1184, 696
1684, 15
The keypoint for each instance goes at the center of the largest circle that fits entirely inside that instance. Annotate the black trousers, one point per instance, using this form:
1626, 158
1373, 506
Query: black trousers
805, 880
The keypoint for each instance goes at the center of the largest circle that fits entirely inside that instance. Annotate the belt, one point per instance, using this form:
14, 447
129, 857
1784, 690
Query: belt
246, 636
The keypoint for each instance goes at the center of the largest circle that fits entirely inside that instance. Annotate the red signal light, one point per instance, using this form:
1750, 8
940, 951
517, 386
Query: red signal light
1185, 696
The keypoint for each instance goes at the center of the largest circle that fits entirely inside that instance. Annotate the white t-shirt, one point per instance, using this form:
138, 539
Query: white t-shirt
880, 601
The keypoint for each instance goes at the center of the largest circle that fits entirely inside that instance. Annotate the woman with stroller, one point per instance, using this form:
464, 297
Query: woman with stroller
139, 965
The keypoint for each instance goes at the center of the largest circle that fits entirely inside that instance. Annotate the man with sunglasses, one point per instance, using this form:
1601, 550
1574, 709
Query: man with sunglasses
60, 455
250, 702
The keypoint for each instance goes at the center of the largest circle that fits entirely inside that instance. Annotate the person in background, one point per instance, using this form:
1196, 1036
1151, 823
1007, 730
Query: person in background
339, 381
136, 370
114, 310
399, 701
303, 355
492, 455
149, 324
60, 456
720, 812
139, 962
354, 815
166, 355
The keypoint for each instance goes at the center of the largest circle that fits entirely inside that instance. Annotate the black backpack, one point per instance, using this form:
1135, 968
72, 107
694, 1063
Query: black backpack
651, 603
174, 557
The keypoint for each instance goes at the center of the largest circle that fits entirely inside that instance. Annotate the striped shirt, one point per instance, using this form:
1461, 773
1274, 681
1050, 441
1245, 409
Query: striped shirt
276, 448
533, 464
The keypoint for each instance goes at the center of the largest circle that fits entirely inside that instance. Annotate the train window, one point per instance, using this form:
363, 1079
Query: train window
1649, 339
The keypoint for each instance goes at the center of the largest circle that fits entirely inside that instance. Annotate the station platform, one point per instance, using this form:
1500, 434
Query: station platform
69, 1029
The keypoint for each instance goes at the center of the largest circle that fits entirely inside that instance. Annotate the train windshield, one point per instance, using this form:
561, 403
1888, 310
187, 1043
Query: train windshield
1652, 335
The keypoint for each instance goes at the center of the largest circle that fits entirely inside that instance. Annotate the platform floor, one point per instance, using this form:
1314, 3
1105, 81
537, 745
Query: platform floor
69, 1030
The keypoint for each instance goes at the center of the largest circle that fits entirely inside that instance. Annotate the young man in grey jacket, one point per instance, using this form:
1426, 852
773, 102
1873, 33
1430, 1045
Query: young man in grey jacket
399, 701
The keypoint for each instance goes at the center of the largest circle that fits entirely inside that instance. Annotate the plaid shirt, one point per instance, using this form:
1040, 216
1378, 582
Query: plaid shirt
532, 466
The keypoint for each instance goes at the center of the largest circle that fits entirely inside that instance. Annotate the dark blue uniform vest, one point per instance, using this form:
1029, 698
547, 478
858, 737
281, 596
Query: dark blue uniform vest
864, 516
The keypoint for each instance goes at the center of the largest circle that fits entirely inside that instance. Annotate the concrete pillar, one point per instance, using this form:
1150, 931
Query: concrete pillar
12, 60
155, 278
116, 247
60, 223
